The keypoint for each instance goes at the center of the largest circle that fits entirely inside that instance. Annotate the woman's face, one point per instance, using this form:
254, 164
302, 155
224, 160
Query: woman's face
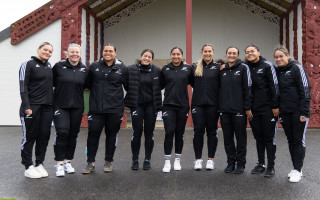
109, 53
232, 55
281, 58
252, 54
146, 58
45, 52
74, 54
176, 57
207, 54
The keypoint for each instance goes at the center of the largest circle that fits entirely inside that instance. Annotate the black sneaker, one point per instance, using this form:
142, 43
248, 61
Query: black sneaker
258, 169
229, 168
135, 165
146, 165
270, 172
239, 169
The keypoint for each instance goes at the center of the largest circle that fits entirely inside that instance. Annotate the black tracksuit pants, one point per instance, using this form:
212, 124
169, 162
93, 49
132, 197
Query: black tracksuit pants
143, 117
264, 128
36, 129
111, 123
235, 124
67, 126
205, 117
174, 126
295, 131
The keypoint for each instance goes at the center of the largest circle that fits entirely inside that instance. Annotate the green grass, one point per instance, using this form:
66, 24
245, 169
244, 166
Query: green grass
7, 199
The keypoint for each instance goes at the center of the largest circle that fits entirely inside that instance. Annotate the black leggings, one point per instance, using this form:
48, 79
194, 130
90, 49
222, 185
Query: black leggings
111, 122
205, 117
143, 117
264, 128
234, 124
174, 126
67, 126
295, 131
36, 129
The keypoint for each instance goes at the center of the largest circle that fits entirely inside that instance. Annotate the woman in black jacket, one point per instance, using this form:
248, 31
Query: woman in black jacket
294, 107
265, 108
69, 78
204, 106
107, 78
144, 100
235, 107
36, 111
175, 78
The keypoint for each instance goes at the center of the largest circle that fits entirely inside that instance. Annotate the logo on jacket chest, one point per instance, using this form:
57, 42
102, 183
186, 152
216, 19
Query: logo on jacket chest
260, 71
184, 69
118, 71
237, 73
288, 73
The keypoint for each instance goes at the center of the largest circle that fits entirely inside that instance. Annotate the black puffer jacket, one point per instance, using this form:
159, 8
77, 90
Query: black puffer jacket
206, 88
265, 89
294, 89
132, 96
106, 91
235, 88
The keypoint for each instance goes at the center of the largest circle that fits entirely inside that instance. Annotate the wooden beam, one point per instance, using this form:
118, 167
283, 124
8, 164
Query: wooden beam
103, 6
189, 49
117, 9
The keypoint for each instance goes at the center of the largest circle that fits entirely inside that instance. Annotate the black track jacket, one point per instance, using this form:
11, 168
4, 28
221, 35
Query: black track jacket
206, 88
36, 85
134, 86
235, 88
175, 79
294, 89
69, 82
265, 88
106, 91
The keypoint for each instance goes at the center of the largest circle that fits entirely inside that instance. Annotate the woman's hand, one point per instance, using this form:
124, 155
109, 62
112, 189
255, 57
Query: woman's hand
249, 114
275, 112
303, 118
223, 66
28, 112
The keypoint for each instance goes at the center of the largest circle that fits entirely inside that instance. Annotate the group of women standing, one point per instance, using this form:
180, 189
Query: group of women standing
236, 91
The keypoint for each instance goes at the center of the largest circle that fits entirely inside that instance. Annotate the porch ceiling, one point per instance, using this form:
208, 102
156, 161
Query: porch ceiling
104, 9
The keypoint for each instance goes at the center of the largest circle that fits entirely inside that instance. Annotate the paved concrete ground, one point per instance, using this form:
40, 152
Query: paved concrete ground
123, 183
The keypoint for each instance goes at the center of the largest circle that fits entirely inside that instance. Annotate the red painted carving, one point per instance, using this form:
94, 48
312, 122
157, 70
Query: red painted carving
281, 31
70, 28
40, 18
311, 55
88, 38
96, 39
287, 32
295, 28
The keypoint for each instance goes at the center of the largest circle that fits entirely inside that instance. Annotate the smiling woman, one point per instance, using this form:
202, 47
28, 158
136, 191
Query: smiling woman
69, 79
175, 78
36, 90
234, 105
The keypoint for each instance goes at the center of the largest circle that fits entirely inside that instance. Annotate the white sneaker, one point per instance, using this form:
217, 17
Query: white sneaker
68, 168
291, 172
59, 170
176, 165
210, 165
167, 166
295, 176
198, 165
42, 170
31, 172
